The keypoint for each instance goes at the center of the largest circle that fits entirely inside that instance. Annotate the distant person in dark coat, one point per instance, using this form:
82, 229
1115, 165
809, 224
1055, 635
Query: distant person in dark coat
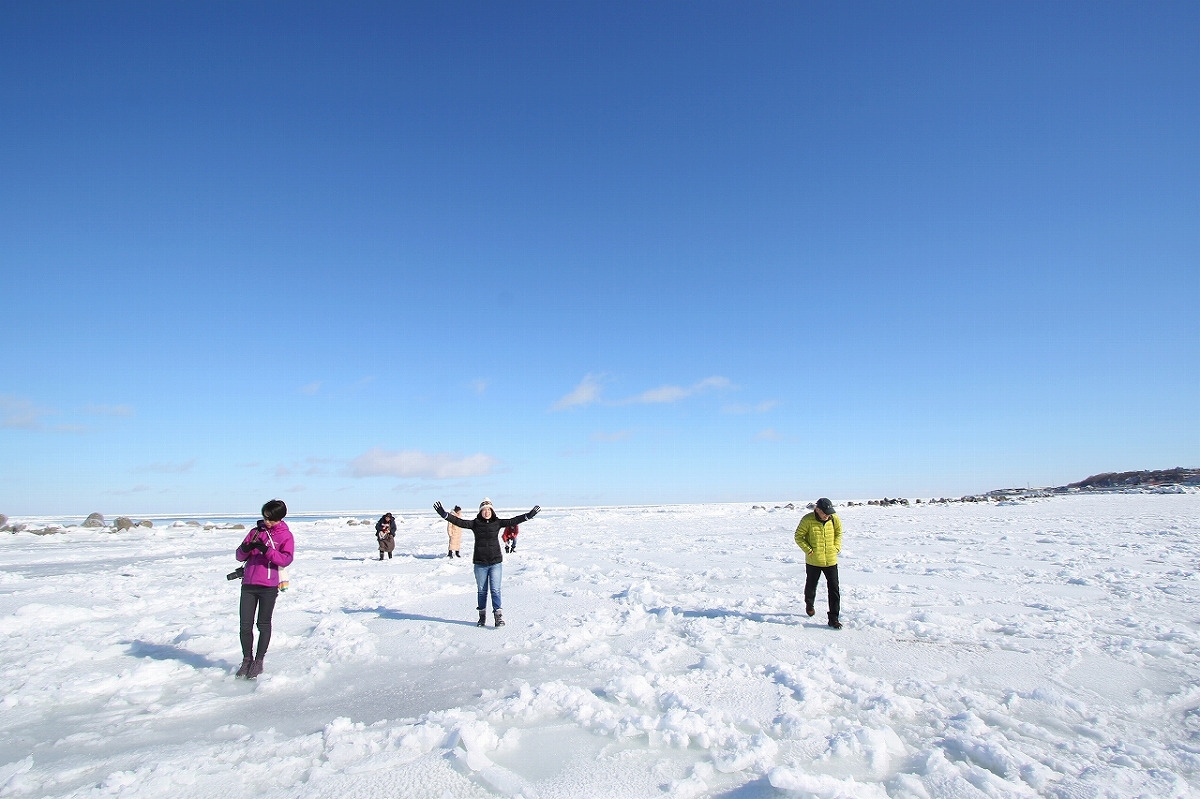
385, 532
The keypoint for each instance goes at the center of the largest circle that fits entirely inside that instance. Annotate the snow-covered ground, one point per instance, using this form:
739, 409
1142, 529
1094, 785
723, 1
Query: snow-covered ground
1041, 648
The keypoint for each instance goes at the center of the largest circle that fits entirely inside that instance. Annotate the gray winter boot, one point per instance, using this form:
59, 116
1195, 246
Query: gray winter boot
499, 618
482, 619
244, 671
256, 668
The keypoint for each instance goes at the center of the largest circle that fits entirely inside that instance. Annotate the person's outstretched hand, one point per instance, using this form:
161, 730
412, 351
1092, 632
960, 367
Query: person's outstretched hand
536, 510
437, 506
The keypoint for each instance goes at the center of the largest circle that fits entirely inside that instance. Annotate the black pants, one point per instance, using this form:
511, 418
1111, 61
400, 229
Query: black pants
812, 575
263, 597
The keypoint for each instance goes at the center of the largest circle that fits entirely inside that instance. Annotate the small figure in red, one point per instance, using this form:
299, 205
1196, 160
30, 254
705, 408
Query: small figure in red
510, 538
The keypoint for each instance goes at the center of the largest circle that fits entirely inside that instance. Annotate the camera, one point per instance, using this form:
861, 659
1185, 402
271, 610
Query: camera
236, 574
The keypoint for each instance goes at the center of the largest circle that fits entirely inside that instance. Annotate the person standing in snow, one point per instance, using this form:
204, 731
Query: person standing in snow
454, 532
385, 533
510, 538
487, 559
265, 550
819, 534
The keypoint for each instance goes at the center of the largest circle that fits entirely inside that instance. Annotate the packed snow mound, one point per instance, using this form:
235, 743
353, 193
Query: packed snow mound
1046, 647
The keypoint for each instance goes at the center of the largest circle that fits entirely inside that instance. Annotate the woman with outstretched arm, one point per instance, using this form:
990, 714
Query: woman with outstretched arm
487, 559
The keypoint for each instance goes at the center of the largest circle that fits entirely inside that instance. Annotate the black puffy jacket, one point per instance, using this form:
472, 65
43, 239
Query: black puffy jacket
487, 535
385, 519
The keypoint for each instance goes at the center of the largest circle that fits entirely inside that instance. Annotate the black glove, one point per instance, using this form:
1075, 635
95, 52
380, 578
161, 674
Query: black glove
536, 509
437, 506
261, 546
246, 548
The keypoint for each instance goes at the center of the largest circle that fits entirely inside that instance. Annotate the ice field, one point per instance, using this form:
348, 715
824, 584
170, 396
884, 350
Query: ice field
1045, 647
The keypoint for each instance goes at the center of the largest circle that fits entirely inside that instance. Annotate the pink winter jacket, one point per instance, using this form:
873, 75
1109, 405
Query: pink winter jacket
263, 568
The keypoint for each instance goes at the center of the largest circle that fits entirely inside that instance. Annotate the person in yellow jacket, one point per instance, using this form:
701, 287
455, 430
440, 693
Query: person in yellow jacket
819, 534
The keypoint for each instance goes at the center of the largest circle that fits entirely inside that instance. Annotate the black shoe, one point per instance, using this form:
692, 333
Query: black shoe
456, 554
381, 556
835, 624
499, 619
810, 610
482, 619
449, 554
389, 556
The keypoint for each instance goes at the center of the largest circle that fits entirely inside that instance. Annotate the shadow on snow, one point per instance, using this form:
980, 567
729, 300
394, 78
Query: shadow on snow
388, 613
721, 613
145, 649
760, 788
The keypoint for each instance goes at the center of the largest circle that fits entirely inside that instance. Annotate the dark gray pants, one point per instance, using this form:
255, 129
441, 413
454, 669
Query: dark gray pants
812, 575
263, 598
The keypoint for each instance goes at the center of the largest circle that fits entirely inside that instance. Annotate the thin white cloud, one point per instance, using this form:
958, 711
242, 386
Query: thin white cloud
380, 462
282, 471
586, 393
137, 489
761, 407
311, 388
21, 414
109, 410
669, 394
769, 435
660, 395
480, 385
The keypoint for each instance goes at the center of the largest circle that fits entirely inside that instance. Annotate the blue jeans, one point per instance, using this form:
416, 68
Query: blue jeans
488, 576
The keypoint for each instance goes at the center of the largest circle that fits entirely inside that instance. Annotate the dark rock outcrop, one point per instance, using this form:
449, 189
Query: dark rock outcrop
1161, 477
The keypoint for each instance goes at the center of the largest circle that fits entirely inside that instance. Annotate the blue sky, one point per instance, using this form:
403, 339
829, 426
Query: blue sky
365, 256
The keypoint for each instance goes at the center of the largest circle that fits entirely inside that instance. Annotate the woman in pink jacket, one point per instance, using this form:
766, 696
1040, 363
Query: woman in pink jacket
265, 550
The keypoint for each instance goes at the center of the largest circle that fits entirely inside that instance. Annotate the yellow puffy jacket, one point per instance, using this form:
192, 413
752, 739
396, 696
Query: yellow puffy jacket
821, 542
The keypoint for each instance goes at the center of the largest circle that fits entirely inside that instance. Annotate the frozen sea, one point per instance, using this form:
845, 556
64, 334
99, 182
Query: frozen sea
1046, 647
